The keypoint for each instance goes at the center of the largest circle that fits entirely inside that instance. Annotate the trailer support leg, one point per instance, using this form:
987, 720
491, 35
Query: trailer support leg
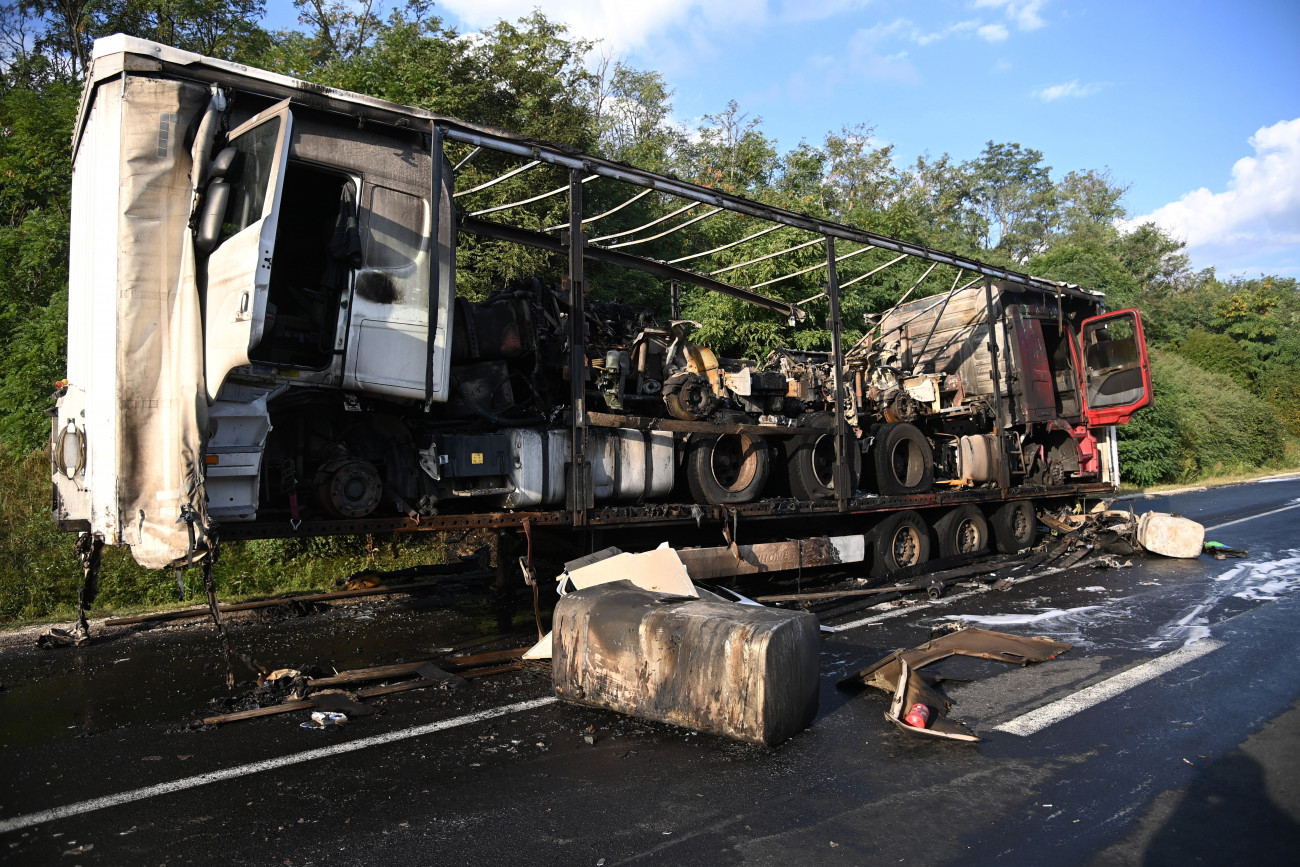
89, 547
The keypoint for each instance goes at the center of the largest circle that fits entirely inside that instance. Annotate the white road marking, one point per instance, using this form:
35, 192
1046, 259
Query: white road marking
30, 819
1252, 517
1040, 718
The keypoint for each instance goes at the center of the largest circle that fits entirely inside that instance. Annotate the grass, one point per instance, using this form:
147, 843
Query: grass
40, 575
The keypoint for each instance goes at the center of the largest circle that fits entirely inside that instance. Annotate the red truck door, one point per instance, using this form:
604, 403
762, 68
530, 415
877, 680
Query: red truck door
1115, 373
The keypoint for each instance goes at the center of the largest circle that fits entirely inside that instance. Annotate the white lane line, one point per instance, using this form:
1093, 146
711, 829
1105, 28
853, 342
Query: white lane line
1252, 517
1040, 718
267, 765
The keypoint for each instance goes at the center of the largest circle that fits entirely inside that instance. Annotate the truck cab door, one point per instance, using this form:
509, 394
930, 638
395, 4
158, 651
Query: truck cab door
1115, 373
239, 268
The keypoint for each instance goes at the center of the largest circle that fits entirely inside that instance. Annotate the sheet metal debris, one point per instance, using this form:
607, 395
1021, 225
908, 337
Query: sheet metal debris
288, 690
898, 674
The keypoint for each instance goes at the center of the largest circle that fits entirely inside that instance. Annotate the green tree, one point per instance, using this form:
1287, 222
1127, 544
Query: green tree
1013, 193
216, 28
1088, 203
34, 223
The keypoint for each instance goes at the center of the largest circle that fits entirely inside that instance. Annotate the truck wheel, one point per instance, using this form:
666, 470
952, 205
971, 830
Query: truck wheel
810, 462
962, 531
904, 460
728, 469
1014, 526
901, 540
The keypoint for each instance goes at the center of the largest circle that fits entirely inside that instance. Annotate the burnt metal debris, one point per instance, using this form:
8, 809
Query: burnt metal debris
899, 675
289, 690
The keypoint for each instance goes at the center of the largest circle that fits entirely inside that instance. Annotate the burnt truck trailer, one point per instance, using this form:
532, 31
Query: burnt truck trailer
265, 340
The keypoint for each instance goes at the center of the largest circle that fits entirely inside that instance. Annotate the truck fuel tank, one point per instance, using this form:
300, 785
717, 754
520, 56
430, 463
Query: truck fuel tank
740, 671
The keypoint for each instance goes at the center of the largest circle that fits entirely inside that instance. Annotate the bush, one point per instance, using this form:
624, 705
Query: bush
1149, 445
1201, 424
1280, 386
1218, 353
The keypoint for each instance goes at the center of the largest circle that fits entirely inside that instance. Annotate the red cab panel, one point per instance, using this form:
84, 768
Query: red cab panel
1115, 374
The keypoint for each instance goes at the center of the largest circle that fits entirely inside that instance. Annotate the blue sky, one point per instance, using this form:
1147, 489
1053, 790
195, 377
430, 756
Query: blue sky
1195, 105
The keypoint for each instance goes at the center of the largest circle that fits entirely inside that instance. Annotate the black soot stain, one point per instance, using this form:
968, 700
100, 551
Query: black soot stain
378, 287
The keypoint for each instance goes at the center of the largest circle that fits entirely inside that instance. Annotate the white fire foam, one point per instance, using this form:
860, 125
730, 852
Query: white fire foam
1257, 582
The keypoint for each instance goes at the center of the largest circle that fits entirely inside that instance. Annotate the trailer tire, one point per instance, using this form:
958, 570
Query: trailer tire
904, 460
900, 541
1014, 526
963, 530
810, 462
727, 469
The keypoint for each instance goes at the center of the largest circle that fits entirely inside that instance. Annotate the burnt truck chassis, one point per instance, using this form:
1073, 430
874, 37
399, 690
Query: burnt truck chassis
855, 514
845, 392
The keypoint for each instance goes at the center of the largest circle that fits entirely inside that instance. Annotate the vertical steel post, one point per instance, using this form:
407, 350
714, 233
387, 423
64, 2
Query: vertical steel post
435, 263
579, 495
1000, 430
675, 291
842, 477
993, 356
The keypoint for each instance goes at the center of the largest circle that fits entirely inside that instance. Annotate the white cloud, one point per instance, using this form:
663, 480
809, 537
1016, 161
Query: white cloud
622, 25
992, 32
1023, 12
957, 29
802, 10
1255, 219
903, 29
1070, 88
868, 60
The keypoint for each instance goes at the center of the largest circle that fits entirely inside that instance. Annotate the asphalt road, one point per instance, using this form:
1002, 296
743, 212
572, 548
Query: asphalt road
1167, 735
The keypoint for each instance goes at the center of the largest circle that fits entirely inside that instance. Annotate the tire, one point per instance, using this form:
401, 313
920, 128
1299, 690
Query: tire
727, 470
962, 531
810, 462
904, 460
900, 541
1015, 526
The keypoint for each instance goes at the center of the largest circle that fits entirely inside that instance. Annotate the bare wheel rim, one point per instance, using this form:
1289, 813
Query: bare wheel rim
905, 546
1019, 524
734, 461
969, 538
823, 461
905, 461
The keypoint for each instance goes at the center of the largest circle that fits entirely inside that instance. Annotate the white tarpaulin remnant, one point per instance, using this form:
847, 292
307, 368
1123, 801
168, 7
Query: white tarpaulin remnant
136, 401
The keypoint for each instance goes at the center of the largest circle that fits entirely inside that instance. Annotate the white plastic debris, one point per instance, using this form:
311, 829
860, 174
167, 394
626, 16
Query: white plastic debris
323, 719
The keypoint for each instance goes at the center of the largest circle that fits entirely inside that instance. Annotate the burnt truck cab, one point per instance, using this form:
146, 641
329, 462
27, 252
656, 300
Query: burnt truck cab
264, 333
1052, 377
232, 247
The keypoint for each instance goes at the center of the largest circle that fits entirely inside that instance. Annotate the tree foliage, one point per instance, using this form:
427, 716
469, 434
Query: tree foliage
1006, 205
